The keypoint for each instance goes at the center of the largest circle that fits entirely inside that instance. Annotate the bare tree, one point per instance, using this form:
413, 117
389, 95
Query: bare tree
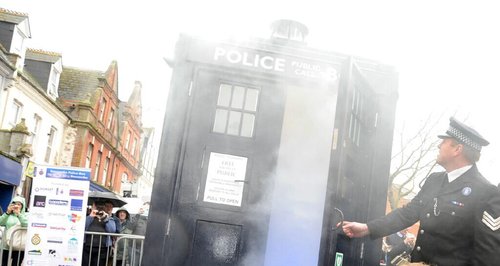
414, 159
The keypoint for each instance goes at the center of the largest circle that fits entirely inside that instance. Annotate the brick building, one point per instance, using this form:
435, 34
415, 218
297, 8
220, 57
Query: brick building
106, 131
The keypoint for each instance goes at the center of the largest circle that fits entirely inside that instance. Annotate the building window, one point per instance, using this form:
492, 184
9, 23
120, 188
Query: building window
105, 171
134, 144
37, 123
97, 165
124, 178
17, 42
50, 143
236, 110
126, 193
15, 112
53, 82
110, 118
127, 140
102, 109
112, 176
88, 159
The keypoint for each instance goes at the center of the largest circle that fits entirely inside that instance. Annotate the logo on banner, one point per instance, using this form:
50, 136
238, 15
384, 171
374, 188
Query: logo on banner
73, 229
57, 214
57, 228
52, 253
39, 201
59, 191
36, 252
36, 262
41, 172
55, 240
37, 215
38, 225
74, 217
76, 204
76, 192
73, 245
36, 240
44, 189
58, 202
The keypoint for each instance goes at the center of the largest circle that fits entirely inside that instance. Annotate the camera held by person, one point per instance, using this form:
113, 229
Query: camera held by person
99, 213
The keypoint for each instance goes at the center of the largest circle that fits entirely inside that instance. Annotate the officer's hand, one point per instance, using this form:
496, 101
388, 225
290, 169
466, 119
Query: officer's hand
353, 229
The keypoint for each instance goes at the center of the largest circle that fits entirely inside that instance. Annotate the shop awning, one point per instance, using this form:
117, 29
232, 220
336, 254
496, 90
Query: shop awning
97, 187
10, 171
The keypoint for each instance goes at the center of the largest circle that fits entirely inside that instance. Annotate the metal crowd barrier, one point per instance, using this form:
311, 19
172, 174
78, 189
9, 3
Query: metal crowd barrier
3, 243
131, 247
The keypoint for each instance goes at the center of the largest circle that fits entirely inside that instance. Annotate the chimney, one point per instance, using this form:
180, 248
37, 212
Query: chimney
289, 30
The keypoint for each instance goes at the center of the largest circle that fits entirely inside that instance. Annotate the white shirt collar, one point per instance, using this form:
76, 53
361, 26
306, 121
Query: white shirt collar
458, 172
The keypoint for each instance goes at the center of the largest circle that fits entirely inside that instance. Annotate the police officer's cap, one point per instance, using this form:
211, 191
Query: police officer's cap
464, 134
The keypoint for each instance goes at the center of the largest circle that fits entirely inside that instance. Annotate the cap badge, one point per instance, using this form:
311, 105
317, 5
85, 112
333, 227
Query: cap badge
466, 191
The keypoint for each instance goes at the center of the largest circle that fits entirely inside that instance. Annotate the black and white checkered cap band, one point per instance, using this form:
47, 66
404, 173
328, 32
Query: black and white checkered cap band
460, 136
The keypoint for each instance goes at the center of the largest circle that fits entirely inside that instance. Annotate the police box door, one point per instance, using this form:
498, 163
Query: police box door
220, 214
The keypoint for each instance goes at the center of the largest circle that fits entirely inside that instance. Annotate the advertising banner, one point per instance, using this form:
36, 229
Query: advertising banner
56, 220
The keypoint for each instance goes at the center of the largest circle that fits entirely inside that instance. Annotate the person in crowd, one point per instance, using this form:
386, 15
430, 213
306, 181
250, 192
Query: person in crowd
458, 208
141, 220
15, 214
96, 248
126, 228
89, 210
399, 244
138, 223
108, 206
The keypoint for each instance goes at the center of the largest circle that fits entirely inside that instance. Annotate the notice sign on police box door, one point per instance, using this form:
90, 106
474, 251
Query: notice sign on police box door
225, 179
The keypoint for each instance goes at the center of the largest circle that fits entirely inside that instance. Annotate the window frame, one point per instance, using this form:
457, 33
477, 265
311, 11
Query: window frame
127, 139
97, 165
110, 119
102, 109
227, 110
88, 157
37, 124
105, 169
50, 143
134, 146
17, 43
53, 82
16, 111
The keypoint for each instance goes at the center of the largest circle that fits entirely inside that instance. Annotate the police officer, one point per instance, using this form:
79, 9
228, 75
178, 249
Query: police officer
458, 209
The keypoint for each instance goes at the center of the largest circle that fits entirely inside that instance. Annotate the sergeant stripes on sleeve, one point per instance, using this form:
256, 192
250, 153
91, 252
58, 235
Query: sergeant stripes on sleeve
488, 220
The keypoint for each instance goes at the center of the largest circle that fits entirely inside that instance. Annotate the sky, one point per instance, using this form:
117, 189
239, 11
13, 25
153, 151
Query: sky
447, 53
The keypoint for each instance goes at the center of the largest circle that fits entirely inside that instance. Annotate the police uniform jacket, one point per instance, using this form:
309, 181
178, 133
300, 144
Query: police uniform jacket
452, 231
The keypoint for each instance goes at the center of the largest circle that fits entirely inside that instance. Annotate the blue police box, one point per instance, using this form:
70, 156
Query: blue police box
263, 141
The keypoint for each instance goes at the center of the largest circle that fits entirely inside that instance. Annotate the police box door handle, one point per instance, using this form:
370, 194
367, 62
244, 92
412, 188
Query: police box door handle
338, 225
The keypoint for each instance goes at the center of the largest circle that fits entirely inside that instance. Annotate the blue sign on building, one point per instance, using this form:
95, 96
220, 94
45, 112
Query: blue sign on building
10, 177
10, 171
